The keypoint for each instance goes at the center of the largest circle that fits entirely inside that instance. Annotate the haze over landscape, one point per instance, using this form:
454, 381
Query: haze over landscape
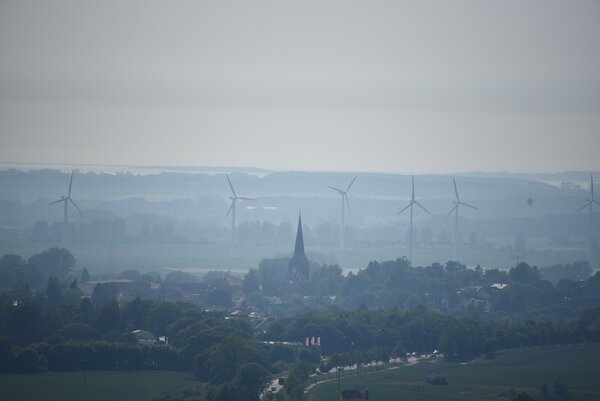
299, 201
428, 87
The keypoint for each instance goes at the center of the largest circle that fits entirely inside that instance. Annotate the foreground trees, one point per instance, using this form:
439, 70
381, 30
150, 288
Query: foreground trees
36, 336
50, 326
359, 335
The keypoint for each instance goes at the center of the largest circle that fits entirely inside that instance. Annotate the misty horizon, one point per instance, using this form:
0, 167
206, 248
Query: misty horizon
384, 87
28, 165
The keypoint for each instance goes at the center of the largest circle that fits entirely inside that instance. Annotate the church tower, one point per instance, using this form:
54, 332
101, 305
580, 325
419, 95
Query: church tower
296, 280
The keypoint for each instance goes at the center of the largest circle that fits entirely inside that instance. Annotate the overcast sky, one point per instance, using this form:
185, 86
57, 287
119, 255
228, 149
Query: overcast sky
395, 86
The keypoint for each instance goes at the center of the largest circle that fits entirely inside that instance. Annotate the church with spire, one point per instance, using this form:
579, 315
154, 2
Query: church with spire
296, 280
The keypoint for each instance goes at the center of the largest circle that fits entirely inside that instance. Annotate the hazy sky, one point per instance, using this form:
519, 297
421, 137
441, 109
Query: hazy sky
421, 86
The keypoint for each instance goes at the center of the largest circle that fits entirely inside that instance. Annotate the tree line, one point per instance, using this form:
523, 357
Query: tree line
452, 288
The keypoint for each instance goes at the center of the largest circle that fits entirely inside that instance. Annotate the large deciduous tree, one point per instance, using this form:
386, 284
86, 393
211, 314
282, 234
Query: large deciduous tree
55, 262
103, 293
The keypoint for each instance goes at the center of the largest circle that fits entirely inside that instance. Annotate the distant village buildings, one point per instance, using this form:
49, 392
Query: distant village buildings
216, 294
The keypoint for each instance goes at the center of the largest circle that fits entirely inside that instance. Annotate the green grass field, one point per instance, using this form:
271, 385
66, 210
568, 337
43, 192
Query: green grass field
491, 380
101, 386
200, 258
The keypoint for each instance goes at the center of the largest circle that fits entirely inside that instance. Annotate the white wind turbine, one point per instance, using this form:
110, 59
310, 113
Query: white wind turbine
412, 202
234, 198
454, 209
66, 200
589, 204
345, 201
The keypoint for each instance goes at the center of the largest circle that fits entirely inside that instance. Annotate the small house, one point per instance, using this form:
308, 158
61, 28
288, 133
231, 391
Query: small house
144, 337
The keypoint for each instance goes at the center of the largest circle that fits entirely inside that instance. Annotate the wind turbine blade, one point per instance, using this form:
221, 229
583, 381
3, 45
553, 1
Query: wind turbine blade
76, 207
451, 210
467, 205
242, 198
70, 185
347, 201
406, 207
422, 207
56, 201
351, 182
231, 186
455, 190
339, 191
584, 206
413, 188
229, 211
592, 186
596, 202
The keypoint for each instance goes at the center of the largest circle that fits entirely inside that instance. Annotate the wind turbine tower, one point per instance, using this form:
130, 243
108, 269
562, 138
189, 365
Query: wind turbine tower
412, 202
234, 198
345, 201
66, 200
454, 209
589, 205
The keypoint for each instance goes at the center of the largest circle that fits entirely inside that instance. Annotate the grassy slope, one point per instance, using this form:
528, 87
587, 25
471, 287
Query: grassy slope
484, 380
101, 386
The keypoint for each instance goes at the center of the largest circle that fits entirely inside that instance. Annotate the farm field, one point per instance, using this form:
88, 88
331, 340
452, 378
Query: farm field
200, 258
493, 380
101, 386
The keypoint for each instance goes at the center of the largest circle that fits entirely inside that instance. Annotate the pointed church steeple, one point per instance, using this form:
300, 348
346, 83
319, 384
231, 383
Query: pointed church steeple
299, 248
296, 280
